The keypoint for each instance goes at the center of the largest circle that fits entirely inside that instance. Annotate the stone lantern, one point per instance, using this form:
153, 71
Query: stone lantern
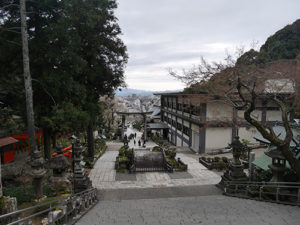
59, 181
81, 181
236, 168
59, 163
278, 166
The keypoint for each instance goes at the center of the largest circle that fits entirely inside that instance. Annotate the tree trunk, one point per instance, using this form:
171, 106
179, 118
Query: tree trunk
290, 157
54, 141
1, 192
37, 163
90, 140
27, 79
47, 145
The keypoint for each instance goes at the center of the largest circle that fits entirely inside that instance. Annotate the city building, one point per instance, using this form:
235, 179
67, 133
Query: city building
205, 125
205, 120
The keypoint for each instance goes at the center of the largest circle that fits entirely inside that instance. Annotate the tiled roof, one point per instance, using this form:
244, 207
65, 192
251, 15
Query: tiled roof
7, 141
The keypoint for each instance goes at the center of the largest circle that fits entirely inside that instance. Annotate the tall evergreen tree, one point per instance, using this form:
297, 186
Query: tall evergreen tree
100, 48
76, 56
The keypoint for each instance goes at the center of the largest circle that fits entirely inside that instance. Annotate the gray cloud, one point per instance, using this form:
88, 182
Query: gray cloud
174, 33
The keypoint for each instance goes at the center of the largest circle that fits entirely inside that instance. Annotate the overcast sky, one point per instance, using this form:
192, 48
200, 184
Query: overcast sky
162, 34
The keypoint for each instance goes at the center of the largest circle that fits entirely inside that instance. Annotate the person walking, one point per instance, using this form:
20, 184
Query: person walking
134, 135
139, 142
134, 142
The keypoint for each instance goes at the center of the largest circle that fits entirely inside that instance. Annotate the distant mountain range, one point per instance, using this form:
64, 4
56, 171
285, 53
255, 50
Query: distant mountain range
128, 91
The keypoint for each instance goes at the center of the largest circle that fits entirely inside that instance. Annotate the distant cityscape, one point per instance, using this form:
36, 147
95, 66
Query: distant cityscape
129, 91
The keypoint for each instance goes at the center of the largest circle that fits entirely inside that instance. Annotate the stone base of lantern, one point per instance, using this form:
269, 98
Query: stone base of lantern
277, 172
234, 173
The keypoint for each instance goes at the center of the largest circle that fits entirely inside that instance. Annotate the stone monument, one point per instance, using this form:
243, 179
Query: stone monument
235, 172
81, 181
278, 166
59, 164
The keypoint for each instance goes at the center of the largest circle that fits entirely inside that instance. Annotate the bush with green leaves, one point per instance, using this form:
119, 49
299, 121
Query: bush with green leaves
125, 158
156, 149
264, 175
216, 159
220, 165
25, 194
225, 160
155, 139
171, 153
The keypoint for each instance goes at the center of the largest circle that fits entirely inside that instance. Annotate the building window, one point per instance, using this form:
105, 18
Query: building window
186, 130
179, 126
186, 108
173, 123
195, 110
179, 106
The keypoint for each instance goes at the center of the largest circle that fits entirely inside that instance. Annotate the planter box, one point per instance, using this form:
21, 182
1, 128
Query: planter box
206, 164
182, 165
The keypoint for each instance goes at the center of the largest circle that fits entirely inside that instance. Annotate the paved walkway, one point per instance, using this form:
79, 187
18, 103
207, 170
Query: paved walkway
103, 175
206, 210
188, 198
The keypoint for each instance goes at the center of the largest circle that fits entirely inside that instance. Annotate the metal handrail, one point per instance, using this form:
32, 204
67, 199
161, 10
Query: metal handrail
262, 182
90, 192
241, 189
31, 216
29, 208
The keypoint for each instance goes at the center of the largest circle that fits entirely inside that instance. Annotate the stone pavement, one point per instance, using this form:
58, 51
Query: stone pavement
206, 210
103, 175
188, 198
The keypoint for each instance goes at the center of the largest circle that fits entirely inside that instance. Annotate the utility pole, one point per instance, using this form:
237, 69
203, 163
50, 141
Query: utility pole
37, 162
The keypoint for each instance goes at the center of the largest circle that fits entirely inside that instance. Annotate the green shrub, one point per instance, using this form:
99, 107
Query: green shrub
216, 159
264, 175
208, 160
123, 159
122, 150
171, 153
220, 165
24, 193
121, 170
203, 158
155, 138
165, 144
156, 149
225, 160
122, 166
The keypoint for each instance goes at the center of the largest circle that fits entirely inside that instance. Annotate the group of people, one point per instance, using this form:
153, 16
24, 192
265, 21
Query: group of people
139, 142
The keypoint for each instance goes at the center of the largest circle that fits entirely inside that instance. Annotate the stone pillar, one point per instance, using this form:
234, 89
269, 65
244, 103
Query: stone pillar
123, 127
145, 127
81, 181
236, 169
251, 159
235, 128
38, 172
